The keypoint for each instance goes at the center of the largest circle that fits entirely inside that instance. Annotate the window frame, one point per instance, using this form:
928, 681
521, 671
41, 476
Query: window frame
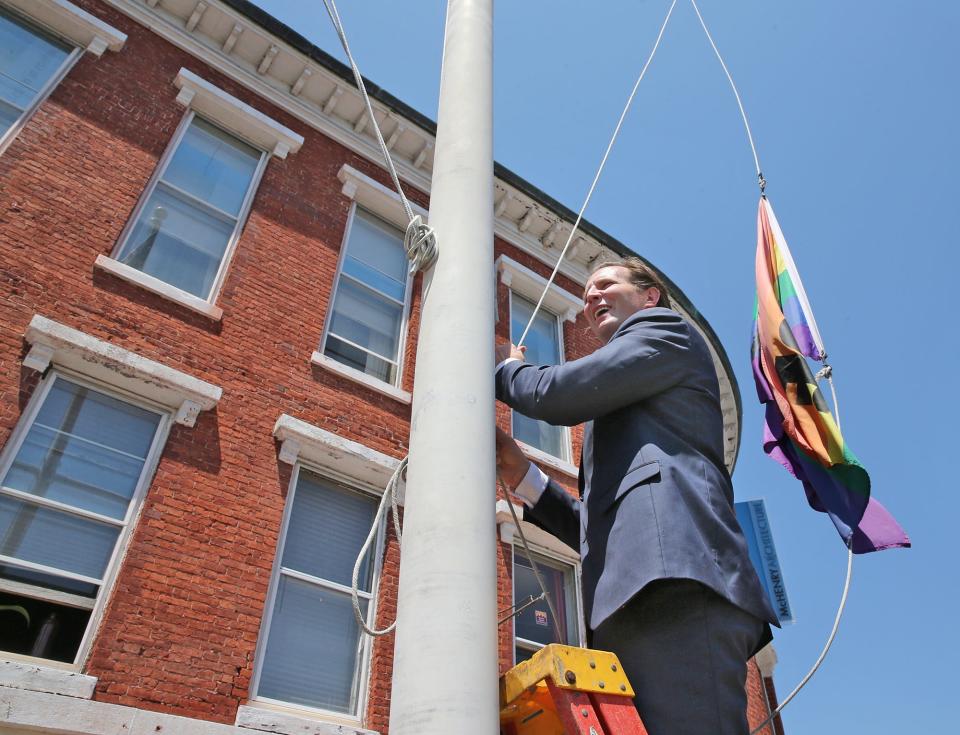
365, 644
158, 285
553, 559
361, 376
7, 137
565, 438
130, 520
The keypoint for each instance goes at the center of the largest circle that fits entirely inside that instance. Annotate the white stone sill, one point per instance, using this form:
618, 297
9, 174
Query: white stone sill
266, 718
21, 674
155, 285
542, 458
321, 360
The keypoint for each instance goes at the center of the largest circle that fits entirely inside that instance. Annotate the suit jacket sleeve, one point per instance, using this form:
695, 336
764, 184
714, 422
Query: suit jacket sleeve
557, 512
650, 353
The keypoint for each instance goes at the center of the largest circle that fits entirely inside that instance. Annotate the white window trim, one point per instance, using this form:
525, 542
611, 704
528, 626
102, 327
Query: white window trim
205, 306
356, 466
560, 463
129, 522
335, 456
543, 458
375, 197
71, 23
546, 545
52, 342
345, 371
287, 721
14, 130
359, 189
530, 285
155, 285
235, 116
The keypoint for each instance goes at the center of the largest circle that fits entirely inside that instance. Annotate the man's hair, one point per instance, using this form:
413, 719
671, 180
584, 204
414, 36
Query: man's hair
641, 275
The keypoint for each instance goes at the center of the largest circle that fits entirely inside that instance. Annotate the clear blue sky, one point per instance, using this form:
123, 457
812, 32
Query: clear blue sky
854, 109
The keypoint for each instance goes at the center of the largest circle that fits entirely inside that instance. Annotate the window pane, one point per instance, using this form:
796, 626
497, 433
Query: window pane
311, 656
47, 630
213, 166
328, 525
364, 318
534, 623
55, 539
48, 581
376, 257
543, 348
28, 58
85, 449
8, 115
360, 360
177, 242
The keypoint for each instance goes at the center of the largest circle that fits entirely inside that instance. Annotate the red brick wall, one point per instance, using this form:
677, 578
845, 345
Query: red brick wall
180, 630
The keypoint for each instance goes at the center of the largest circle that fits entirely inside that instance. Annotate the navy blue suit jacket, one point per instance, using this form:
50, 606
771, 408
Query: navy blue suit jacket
656, 498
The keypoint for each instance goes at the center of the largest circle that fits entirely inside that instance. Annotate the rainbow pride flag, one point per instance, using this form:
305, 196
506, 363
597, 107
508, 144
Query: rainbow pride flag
800, 432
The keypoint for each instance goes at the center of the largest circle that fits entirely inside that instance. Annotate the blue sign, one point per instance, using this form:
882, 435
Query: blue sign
752, 515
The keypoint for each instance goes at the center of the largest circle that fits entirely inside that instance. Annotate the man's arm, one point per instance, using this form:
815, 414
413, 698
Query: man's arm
650, 355
549, 506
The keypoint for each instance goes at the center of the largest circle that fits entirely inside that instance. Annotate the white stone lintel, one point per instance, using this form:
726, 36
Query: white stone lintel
22, 675
530, 285
326, 450
121, 368
375, 197
76, 25
263, 719
224, 109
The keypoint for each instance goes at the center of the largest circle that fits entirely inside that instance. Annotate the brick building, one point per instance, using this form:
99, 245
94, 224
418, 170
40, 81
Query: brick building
207, 351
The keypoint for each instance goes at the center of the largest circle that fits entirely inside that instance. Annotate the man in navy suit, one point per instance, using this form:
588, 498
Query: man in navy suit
667, 581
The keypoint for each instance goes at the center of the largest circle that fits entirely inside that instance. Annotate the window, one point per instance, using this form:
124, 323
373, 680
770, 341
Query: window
31, 62
72, 481
543, 344
366, 323
184, 231
312, 653
533, 628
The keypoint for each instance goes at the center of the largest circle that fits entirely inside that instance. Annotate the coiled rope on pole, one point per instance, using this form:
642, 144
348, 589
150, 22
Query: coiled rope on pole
419, 239
420, 243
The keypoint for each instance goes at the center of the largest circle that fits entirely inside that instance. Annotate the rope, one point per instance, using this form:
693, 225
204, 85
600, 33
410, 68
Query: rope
419, 240
533, 565
823, 653
389, 493
420, 243
825, 372
596, 178
743, 114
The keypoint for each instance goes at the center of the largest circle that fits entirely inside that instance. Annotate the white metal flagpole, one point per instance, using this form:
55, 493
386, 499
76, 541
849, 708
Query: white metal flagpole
445, 658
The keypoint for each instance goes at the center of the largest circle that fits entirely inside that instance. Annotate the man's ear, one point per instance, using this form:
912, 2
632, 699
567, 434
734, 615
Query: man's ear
652, 297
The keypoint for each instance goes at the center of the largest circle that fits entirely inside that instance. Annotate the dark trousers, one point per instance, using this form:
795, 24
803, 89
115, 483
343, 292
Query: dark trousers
684, 649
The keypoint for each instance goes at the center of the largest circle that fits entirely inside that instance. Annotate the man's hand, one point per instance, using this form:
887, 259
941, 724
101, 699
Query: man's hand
502, 352
511, 464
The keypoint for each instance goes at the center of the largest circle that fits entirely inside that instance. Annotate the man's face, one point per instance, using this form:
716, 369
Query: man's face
610, 298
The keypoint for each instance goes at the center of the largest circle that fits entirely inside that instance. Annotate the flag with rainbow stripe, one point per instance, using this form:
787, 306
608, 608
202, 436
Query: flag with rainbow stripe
800, 432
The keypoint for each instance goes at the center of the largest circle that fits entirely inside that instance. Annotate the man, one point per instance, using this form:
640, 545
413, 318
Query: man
667, 581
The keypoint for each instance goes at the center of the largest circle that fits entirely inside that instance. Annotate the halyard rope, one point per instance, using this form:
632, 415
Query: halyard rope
419, 239
826, 372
